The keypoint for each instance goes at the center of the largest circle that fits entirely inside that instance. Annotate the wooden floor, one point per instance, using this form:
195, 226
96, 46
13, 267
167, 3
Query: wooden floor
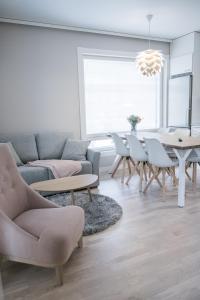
152, 253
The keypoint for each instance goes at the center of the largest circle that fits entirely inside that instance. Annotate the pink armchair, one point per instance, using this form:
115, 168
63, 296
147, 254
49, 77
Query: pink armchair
33, 230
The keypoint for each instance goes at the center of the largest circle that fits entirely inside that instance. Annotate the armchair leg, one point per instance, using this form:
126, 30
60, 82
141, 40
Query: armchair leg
1, 284
80, 242
59, 275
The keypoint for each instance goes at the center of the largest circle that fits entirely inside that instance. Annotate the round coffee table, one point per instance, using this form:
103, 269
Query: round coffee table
67, 184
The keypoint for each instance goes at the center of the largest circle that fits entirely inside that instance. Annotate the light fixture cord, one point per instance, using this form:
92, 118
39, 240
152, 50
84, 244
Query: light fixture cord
149, 33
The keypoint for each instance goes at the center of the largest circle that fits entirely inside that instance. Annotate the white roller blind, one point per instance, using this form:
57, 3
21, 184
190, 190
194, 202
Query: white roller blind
113, 90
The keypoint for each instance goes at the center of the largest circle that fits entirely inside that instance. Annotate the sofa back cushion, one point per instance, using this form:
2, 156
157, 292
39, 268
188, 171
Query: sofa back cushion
24, 145
75, 150
14, 153
51, 145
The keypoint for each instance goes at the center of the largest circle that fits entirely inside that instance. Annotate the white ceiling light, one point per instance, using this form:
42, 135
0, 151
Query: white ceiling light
149, 62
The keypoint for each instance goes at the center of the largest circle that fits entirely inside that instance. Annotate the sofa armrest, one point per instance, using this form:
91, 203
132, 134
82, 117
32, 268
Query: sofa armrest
94, 158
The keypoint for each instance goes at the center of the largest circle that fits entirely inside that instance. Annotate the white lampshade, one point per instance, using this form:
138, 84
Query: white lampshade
149, 62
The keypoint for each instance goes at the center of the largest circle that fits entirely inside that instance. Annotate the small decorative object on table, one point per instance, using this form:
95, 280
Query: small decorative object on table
134, 120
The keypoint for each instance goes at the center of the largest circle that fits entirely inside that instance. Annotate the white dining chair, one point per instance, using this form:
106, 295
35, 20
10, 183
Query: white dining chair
123, 154
160, 161
164, 130
139, 156
193, 161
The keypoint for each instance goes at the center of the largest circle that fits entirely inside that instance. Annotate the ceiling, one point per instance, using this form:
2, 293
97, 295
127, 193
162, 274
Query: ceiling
172, 18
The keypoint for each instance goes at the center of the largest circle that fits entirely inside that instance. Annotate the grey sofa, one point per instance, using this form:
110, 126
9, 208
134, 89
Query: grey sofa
32, 147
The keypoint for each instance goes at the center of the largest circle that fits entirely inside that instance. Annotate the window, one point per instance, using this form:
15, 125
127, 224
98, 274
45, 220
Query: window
114, 89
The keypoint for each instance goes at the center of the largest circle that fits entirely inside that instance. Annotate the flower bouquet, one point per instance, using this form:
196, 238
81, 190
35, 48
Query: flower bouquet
134, 120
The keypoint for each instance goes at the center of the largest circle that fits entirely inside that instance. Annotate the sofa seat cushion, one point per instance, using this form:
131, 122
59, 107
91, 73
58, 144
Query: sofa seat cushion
51, 145
57, 230
33, 174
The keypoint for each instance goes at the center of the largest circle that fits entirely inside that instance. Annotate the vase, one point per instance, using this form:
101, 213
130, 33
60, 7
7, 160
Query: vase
133, 129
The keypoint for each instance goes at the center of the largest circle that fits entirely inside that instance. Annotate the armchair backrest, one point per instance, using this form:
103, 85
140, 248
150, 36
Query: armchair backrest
13, 191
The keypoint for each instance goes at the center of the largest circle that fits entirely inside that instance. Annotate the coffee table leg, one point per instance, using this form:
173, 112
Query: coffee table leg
89, 193
73, 197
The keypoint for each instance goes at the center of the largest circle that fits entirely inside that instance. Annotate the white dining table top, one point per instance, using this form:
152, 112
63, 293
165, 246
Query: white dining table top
170, 139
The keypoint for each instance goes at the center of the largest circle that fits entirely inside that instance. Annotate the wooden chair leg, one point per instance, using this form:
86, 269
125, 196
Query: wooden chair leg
129, 165
123, 169
59, 275
149, 183
173, 174
194, 174
80, 242
141, 175
116, 167
130, 171
135, 166
186, 171
145, 171
163, 180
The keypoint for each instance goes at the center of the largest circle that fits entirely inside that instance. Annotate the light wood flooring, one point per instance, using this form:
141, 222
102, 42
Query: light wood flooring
152, 253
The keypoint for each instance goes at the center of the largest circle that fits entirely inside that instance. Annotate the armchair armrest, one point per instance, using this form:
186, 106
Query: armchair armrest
94, 157
37, 201
15, 242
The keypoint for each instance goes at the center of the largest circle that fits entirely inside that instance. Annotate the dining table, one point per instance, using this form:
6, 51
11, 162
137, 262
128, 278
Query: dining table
182, 147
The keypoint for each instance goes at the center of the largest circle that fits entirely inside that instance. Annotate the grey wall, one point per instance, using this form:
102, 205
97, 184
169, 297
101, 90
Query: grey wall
39, 75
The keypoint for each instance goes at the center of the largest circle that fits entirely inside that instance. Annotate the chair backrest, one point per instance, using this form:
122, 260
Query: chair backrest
13, 192
120, 147
137, 151
156, 153
164, 130
181, 132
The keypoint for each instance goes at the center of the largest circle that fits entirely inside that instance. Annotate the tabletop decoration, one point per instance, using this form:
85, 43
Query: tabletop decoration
134, 120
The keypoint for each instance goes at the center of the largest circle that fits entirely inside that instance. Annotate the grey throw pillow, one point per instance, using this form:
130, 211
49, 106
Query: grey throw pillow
14, 154
75, 150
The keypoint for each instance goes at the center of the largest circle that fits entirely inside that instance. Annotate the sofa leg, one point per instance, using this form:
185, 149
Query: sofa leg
80, 242
59, 275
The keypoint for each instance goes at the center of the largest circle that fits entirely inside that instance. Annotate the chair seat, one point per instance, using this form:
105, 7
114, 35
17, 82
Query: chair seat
194, 159
62, 225
172, 163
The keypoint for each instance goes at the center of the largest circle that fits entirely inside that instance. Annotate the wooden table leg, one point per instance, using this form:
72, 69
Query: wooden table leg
90, 194
73, 197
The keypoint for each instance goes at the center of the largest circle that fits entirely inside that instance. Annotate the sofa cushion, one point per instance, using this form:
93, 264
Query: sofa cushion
75, 150
33, 174
50, 145
14, 154
25, 146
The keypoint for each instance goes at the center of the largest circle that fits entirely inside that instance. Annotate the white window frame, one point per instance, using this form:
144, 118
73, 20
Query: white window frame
82, 52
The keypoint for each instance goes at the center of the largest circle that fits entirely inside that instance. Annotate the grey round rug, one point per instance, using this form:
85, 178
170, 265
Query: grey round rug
102, 212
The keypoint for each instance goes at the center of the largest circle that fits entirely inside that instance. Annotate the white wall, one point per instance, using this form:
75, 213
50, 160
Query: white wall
39, 75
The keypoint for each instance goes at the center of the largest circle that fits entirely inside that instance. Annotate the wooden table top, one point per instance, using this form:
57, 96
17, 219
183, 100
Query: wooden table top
65, 184
170, 139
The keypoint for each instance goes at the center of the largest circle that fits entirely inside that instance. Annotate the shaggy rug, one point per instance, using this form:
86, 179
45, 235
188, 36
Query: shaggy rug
102, 212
